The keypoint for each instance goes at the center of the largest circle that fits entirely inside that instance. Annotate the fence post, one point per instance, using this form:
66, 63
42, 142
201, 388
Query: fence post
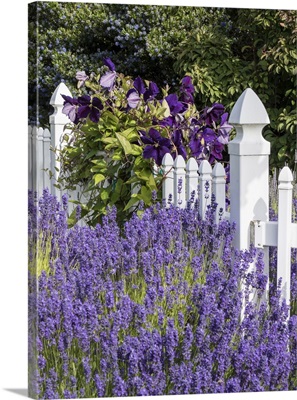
249, 166
285, 192
57, 122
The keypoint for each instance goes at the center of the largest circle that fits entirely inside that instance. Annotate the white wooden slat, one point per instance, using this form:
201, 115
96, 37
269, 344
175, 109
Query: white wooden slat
219, 190
285, 192
205, 187
30, 155
179, 180
167, 184
46, 158
191, 180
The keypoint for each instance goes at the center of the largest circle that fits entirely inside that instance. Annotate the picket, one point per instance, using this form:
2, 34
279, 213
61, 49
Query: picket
219, 190
285, 190
179, 182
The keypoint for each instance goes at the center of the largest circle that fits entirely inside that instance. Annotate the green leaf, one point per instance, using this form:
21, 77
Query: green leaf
281, 153
151, 183
131, 202
125, 144
98, 178
146, 195
143, 174
166, 107
105, 193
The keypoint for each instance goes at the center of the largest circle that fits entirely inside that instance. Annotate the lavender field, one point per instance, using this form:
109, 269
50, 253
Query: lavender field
153, 307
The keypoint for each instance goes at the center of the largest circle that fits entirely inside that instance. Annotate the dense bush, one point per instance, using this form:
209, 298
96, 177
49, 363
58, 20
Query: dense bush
251, 48
152, 309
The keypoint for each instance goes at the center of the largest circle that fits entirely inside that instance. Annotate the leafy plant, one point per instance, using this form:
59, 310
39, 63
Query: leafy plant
121, 131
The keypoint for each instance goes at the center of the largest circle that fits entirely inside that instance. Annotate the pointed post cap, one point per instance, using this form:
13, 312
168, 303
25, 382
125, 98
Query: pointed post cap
167, 160
57, 99
205, 168
179, 162
218, 170
192, 165
249, 109
285, 179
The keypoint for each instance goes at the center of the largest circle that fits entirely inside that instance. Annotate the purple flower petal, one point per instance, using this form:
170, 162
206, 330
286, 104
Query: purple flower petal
133, 98
94, 115
109, 64
81, 76
139, 85
107, 80
150, 152
84, 100
97, 103
70, 111
83, 111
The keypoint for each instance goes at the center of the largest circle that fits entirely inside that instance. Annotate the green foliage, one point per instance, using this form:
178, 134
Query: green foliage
105, 158
249, 48
68, 37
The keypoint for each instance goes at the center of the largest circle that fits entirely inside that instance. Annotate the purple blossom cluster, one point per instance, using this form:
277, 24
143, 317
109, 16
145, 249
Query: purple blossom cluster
152, 308
202, 135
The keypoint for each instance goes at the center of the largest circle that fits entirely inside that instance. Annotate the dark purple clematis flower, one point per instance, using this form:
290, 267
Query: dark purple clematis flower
187, 85
133, 98
216, 151
70, 108
109, 64
157, 145
200, 139
89, 108
224, 129
81, 76
174, 105
169, 121
139, 85
151, 92
213, 113
177, 139
187, 90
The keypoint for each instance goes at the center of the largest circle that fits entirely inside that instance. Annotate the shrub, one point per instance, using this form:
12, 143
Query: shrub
251, 48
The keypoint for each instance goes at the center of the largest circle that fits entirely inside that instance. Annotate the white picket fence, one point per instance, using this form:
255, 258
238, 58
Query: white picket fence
249, 180
249, 188
43, 165
186, 184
